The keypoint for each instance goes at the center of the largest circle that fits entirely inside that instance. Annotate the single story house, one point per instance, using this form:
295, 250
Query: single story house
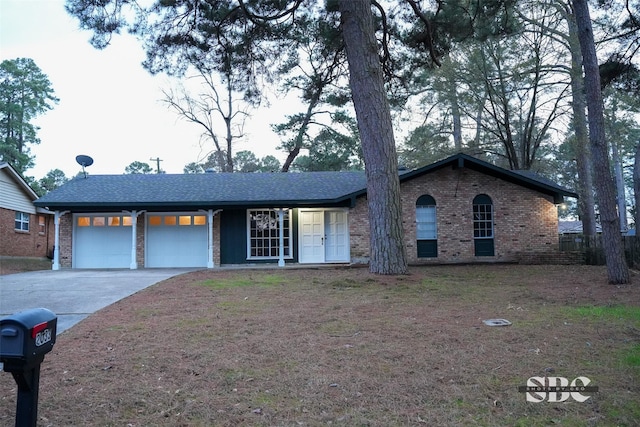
575, 227
457, 210
25, 231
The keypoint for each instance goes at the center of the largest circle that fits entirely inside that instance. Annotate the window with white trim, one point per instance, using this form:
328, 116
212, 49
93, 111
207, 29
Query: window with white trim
22, 221
263, 228
482, 217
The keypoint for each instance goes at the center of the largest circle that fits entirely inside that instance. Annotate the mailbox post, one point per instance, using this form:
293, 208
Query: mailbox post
25, 338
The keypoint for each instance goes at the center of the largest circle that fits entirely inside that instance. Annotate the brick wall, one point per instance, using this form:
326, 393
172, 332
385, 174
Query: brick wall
525, 221
359, 231
142, 219
66, 241
32, 243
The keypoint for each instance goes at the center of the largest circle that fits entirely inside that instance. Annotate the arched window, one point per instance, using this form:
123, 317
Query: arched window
483, 225
426, 227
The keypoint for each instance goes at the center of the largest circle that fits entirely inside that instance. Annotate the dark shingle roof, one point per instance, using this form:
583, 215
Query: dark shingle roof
207, 190
218, 190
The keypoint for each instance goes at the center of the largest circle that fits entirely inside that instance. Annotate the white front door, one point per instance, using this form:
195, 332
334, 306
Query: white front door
311, 237
324, 236
336, 240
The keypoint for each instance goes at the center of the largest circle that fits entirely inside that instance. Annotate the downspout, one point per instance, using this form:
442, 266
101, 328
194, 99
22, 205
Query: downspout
56, 239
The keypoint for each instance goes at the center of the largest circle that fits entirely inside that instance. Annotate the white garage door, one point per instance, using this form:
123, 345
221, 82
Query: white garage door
102, 241
176, 240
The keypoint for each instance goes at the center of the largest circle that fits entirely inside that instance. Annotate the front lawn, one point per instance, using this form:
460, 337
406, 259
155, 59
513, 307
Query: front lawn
340, 346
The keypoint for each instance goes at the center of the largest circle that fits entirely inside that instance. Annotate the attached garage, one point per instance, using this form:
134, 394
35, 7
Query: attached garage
102, 241
176, 240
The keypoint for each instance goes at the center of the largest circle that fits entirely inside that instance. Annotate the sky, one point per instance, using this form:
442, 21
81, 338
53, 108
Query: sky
110, 108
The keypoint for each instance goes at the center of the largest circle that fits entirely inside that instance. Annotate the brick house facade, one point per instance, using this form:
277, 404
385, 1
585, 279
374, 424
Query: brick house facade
477, 213
37, 242
24, 230
525, 221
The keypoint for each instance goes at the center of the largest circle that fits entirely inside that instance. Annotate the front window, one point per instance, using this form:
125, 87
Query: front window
482, 217
264, 234
426, 227
22, 221
426, 218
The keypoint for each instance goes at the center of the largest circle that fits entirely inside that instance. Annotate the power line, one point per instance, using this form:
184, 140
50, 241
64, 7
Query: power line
157, 160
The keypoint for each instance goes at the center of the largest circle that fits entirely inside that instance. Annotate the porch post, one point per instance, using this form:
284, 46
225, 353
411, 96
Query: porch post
56, 239
210, 222
281, 234
134, 240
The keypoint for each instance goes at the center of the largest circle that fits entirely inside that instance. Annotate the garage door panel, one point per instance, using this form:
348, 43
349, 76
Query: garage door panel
176, 244
101, 246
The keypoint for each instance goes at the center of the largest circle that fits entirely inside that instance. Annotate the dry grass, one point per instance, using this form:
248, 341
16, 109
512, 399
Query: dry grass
10, 265
344, 347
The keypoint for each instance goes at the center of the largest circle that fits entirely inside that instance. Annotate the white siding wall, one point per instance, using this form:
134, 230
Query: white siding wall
12, 196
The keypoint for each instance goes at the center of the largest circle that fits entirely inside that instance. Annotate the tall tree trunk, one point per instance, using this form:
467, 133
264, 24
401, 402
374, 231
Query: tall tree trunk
586, 200
478, 119
620, 187
452, 95
388, 254
617, 269
227, 120
636, 188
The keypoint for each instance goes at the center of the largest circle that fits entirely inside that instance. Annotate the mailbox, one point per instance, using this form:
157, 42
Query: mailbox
25, 337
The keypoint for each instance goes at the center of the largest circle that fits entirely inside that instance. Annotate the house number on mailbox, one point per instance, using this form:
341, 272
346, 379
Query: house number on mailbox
43, 337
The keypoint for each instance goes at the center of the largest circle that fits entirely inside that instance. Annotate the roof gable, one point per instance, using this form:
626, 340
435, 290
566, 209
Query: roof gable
523, 178
19, 181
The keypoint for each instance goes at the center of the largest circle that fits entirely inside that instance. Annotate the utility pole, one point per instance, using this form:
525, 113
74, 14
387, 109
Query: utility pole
157, 160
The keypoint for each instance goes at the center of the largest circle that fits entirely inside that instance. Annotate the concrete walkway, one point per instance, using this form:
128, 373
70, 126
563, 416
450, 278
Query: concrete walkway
74, 294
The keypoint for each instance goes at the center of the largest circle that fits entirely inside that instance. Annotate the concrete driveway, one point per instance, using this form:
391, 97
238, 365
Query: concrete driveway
74, 294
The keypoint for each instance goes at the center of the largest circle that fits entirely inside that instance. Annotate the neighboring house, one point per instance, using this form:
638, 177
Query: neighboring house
573, 227
458, 210
25, 231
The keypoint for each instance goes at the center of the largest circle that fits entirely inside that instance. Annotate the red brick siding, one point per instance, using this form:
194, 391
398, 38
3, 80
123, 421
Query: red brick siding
30, 243
525, 221
66, 240
140, 240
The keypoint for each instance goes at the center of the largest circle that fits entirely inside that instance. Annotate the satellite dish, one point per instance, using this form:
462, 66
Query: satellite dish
84, 161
